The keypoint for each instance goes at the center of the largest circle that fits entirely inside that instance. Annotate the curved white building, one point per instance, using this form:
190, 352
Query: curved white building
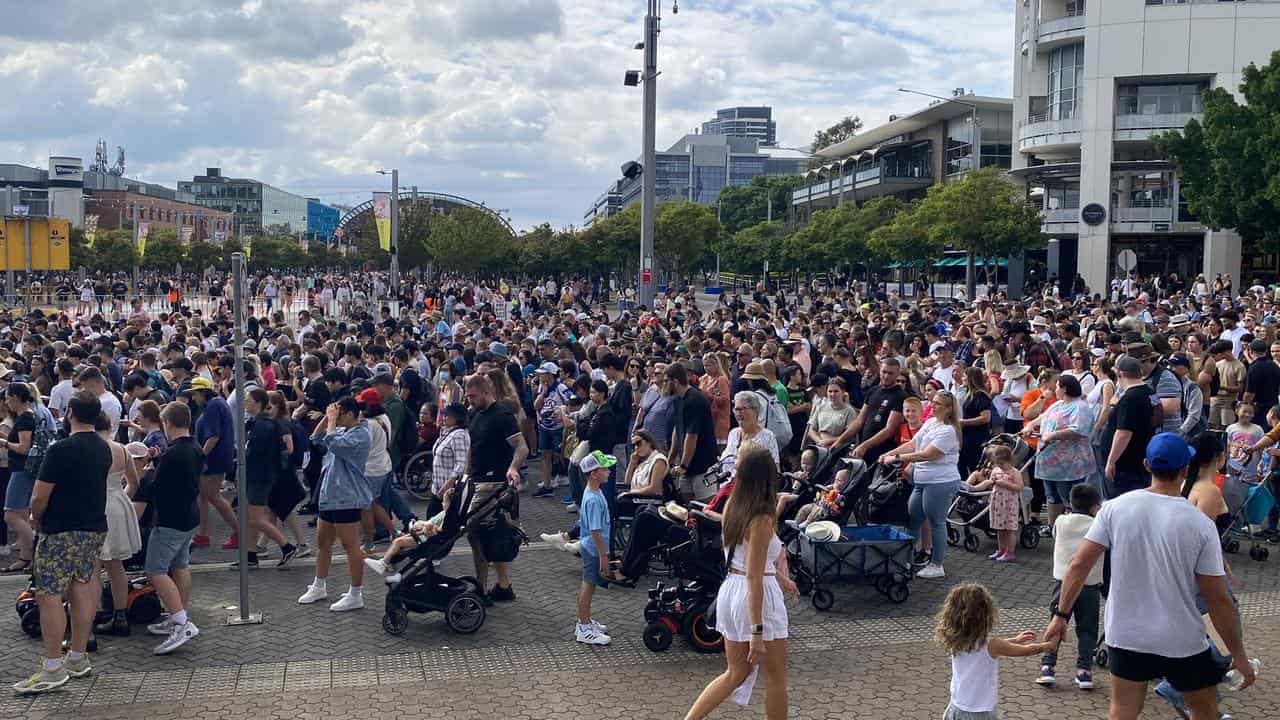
1093, 79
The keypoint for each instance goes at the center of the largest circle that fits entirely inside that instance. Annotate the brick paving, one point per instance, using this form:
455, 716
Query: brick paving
864, 658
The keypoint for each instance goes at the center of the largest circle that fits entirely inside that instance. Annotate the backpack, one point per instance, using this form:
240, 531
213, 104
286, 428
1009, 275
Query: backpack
775, 419
407, 441
156, 381
45, 434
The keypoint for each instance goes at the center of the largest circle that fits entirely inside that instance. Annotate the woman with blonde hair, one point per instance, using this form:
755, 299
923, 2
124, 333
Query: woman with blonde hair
715, 385
993, 361
934, 454
751, 612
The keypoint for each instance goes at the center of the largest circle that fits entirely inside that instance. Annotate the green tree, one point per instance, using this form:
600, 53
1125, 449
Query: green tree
203, 255
905, 238
164, 251
683, 234
1229, 164
742, 206
112, 252
615, 241
747, 250
230, 246
843, 130
471, 241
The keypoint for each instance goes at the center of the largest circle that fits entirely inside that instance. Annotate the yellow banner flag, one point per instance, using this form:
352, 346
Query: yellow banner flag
382, 218
143, 230
90, 230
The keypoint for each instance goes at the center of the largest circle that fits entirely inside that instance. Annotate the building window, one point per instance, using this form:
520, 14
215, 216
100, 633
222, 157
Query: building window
1160, 99
1066, 75
959, 153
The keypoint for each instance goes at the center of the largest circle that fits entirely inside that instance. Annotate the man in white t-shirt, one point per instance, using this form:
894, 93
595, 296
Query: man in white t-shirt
62, 392
1163, 552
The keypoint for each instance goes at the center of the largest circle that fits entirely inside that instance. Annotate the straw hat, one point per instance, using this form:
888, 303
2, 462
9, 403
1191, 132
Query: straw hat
753, 371
1013, 372
822, 531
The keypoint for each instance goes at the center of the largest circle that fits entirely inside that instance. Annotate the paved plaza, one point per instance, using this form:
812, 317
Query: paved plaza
863, 658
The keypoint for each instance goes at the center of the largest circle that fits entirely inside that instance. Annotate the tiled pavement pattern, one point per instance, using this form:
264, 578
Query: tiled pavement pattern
303, 653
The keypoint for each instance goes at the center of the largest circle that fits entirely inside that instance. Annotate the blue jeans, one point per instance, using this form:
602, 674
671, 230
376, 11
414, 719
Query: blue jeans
392, 499
931, 502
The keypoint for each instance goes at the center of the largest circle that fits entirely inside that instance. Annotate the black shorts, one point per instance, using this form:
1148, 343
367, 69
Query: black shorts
339, 517
1186, 674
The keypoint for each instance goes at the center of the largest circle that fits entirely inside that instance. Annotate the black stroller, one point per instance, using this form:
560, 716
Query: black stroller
698, 566
422, 589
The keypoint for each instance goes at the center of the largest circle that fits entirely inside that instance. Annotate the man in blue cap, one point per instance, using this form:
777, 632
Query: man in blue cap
1163, 552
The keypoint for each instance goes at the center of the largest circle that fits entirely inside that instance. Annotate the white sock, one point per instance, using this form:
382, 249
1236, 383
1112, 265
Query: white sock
355, 590
52, 664
318, 583
180, 617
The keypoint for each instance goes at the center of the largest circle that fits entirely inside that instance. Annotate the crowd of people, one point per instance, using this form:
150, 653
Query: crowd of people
721, 402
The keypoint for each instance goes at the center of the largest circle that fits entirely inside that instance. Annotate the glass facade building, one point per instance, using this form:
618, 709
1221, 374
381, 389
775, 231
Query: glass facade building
321, 220
255, 206
746, 122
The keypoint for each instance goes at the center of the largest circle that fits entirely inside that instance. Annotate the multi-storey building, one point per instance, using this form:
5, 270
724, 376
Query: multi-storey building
742, 121
1094, 80
322, 220
256, 205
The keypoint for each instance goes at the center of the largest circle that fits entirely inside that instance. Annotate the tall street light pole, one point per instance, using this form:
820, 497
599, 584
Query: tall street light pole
648, 193
975, 150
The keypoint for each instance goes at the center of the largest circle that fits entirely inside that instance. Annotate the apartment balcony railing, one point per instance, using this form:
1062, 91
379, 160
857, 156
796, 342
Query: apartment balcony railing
1141, 214
1142, 127
1061, 215
1038, 131
1062, 28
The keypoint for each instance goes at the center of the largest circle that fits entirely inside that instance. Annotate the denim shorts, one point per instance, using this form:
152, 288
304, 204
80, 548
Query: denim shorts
18, 495
549, 440
591, 568
168, 550
1058, 492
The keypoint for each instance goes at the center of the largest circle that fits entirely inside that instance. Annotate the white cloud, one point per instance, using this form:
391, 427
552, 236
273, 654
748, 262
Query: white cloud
518, 103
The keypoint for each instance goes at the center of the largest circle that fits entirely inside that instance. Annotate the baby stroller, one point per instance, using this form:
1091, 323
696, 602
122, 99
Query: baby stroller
698, 566
1249, 504
970, 512
860, 479
422, 589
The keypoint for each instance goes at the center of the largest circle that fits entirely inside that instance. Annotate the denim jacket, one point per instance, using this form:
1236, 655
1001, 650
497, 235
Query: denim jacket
343, 485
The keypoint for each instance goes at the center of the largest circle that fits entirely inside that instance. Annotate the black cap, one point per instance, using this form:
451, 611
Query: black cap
183, 363
382, 379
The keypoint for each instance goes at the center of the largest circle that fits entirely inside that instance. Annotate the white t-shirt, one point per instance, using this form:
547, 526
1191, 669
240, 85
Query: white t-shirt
111, 406
946, 376
1158, 545
378, 463
59, 395
764, 438
946, 468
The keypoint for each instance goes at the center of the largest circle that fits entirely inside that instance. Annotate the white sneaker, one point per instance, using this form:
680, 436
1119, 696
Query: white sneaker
571, 507
303, 550
314, 593
574, 547
348, 601
591, 635
561, 481
376, 565
392, 579
162, 628
179, 637
599, 626
930, 571
555, 540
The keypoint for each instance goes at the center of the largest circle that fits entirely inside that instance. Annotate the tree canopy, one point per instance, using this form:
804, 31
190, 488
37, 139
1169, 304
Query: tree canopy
1229, 164
843, 130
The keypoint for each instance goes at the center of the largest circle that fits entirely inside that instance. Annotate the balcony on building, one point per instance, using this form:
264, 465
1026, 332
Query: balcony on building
888, 169
1061, 23
1042, 133
1146, 197
1143, 110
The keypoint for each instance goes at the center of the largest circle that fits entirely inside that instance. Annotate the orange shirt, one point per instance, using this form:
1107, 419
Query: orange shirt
1028, 399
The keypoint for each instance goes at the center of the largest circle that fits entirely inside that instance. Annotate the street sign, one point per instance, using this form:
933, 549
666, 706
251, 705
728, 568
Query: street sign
646, 275
1093, 214
21, 210
1127, 260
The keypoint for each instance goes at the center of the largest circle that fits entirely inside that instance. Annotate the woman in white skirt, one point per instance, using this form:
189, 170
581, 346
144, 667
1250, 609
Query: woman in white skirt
123, 537
750, 610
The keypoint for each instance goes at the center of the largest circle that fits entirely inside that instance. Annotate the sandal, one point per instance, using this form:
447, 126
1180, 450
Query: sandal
17, 567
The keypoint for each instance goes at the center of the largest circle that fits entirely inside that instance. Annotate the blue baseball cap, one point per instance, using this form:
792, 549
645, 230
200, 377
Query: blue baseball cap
1168, 452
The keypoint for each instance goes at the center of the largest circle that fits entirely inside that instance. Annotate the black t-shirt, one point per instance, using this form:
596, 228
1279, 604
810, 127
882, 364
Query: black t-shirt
490, 452
695, 417
880, 405
1263, 380
176, 485
118, 289
973, 407
1133, 412
77, 468
26, 422
317, 397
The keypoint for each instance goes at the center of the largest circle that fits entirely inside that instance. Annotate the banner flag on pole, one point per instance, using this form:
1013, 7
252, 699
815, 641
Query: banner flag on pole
382, 218
90, 230
143, 230
187, 234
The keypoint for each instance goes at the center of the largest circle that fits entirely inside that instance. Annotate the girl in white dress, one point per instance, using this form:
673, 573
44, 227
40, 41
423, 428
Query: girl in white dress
123, 537
750, 610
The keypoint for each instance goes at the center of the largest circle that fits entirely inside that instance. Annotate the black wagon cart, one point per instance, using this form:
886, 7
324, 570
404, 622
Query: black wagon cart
878, 555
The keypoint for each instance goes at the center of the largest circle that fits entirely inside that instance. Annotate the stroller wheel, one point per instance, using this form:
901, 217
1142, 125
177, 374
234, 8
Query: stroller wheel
1231, 546
31, 622
898, 592
472, 583
1259, 553
1100, 657
953, 536
145, 608
882, 583
657, 636
395, 620
1029, 538
465, 613
823, 599
971, 543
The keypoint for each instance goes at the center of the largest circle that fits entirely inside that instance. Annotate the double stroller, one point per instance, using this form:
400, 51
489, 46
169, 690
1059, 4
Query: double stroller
423, 589
970, 512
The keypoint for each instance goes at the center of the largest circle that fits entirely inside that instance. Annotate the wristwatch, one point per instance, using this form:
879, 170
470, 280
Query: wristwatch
757, 629
1059, 612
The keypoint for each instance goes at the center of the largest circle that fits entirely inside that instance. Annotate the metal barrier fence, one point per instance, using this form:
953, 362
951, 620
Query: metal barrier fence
113, 308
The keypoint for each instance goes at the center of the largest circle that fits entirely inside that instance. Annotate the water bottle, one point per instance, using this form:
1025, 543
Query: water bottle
1234, 680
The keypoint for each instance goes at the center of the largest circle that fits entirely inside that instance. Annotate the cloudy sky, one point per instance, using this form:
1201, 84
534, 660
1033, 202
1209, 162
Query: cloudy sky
516, 103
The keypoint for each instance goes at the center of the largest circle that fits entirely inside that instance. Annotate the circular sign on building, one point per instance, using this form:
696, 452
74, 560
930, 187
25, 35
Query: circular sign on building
1093, 214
